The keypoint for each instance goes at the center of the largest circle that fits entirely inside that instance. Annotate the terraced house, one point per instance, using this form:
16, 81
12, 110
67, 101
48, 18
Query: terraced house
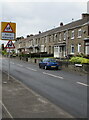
69, 39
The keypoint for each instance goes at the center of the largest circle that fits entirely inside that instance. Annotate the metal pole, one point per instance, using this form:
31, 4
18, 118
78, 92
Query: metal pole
9, 66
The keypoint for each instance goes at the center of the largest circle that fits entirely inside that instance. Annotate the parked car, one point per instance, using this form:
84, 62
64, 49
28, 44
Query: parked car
49, 63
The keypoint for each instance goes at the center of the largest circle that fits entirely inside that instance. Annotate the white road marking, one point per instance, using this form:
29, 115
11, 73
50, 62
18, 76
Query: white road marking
20, 65
7, 110
42, 100
53, 75
31, 69
82, 84
12, 63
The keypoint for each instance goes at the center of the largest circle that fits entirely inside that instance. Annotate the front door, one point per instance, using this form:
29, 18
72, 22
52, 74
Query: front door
87, 48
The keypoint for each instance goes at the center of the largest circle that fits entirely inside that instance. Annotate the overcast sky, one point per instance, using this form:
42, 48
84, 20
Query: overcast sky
32, 17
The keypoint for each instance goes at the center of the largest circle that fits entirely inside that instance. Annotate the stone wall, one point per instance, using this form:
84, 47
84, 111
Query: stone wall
82, 68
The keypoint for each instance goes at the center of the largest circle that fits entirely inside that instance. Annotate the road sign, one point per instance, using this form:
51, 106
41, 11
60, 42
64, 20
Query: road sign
8, 31
10, 45
8, 36
8, 28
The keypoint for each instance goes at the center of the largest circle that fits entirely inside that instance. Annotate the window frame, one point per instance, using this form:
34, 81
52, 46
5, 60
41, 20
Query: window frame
60, 37
79, 32
72, 49
64, 35
79, 48
72, 34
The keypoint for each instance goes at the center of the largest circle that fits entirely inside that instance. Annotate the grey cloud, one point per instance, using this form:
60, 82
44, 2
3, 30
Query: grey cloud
32, 17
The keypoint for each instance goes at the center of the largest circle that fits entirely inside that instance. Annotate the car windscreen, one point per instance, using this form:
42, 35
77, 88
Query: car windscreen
51, 60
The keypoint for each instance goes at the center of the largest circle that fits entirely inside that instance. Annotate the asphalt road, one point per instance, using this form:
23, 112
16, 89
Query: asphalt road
66, 90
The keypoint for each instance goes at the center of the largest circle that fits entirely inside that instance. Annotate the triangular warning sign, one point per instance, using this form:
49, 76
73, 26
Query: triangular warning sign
8, 28
10, 44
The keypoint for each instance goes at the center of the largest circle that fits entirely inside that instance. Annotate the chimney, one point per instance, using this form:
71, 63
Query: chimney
28, 36
61, 24
39, 32
84, 15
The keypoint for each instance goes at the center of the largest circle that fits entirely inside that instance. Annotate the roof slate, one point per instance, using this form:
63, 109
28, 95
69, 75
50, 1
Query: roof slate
68, 26
71, 25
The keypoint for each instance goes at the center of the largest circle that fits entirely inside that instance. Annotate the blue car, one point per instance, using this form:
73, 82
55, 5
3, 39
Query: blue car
49, 63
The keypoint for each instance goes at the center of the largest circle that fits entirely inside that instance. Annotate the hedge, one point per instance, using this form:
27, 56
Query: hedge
80, 60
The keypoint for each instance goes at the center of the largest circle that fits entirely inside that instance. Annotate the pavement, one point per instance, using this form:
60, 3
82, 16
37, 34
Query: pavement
19, 101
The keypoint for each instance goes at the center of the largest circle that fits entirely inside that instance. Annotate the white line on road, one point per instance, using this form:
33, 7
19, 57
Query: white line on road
12, 63
7, 110
20, 65
42, 100
53, 75
82, 84
31, 69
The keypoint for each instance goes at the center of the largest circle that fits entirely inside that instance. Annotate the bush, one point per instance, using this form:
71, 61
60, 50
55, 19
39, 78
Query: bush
4, 52
79, 60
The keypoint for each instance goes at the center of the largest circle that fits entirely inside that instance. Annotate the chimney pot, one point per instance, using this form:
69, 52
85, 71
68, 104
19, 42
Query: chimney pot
84, 15
61, 24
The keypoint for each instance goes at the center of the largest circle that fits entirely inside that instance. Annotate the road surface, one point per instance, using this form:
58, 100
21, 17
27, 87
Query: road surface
66, 90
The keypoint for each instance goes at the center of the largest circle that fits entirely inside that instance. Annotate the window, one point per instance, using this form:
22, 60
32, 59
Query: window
79, 48
79, 33
55, 37
72, 34
87, 48
31, 42
19, 45
64, 35
42, 48
49, 38
45, 39
36, 41
42, 40
60, 37
60, 49
56, 48
72, 49
45, 49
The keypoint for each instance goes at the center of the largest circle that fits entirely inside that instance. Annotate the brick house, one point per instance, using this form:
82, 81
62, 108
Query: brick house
69, 39
73, 36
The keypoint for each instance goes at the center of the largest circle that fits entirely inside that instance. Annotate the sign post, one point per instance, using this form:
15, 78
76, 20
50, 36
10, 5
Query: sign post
9, 66
8, 32
10, 45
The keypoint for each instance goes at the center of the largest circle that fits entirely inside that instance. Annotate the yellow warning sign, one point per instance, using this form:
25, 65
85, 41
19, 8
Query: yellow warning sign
8, 31
8, 27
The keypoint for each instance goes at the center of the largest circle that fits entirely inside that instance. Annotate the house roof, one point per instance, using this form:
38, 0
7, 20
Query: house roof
68, 26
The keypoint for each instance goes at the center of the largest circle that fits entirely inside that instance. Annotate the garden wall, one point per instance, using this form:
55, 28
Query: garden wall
83, 68
68, 66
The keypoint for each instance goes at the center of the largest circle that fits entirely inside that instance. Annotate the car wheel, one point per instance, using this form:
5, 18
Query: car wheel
58, 68
45, 67
39, 66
